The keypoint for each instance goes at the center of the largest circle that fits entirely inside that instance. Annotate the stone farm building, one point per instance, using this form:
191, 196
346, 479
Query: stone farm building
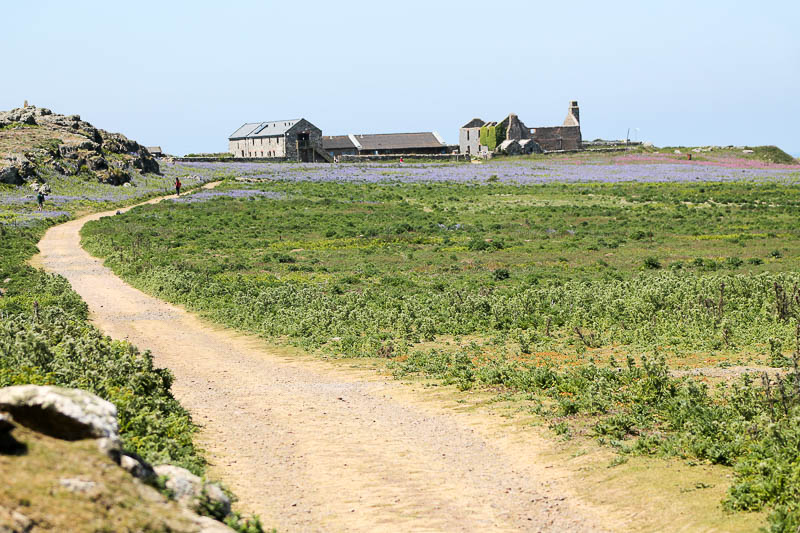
424, 143
292, 140
512, 136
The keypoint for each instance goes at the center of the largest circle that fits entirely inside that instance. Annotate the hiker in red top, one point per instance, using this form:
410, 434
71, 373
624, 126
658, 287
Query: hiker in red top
178, 186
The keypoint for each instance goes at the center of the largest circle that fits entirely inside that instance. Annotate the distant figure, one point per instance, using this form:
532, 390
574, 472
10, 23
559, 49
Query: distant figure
40, 199
178, 186
689, 157
401, 159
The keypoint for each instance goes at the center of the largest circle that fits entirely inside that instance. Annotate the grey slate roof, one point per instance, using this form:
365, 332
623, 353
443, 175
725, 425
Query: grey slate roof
263, 129
398, 141
337, 142
474, 123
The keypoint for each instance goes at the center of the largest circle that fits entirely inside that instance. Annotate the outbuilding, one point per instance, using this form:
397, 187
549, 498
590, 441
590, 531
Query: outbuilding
420, 143
292, 140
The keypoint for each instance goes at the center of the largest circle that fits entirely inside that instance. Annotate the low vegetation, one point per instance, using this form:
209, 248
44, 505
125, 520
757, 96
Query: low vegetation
46, 338
583, 298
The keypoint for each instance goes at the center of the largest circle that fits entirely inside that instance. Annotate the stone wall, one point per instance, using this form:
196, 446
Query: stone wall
229, 159
469, 141
558, 138
406, 157
258, 147
314, 139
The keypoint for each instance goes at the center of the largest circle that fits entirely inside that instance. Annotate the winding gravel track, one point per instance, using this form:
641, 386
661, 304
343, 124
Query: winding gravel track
311, 446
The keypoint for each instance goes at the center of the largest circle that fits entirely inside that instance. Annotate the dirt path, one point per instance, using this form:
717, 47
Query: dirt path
311, 446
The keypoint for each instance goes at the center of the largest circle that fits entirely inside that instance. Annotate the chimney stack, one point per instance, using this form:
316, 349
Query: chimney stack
573, 108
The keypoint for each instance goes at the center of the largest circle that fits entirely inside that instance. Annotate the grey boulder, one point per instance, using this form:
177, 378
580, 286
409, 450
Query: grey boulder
192, 492
69, 414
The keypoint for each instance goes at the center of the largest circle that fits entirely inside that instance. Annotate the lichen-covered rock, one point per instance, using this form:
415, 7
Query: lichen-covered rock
183, 484
69, 414
12, 521
191, 491
78, 486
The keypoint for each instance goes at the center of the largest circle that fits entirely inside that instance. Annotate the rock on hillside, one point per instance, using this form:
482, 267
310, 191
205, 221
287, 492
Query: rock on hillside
35, 141
59, 472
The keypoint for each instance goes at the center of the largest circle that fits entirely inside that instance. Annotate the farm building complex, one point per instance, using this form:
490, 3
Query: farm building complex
300, 140
512, 136
385, 143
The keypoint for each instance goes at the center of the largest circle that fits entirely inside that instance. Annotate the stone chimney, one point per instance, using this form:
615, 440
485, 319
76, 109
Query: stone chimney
25, 105
573, 115
573, 108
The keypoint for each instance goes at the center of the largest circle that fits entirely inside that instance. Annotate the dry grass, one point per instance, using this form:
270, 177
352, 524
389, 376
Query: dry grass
21, 139
30, 486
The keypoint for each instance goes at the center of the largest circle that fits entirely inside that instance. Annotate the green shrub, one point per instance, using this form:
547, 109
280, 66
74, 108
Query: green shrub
500, 274
652, 263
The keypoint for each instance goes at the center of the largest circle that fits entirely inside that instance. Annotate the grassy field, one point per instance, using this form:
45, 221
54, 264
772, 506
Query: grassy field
584, 299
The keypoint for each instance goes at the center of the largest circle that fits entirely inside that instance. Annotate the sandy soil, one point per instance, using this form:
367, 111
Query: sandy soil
313, 446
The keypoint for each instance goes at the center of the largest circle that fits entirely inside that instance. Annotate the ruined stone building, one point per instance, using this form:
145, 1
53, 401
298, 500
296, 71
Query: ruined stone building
424, 143
293, 140
512, 136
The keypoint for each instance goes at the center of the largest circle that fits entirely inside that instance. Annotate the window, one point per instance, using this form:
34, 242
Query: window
467, 134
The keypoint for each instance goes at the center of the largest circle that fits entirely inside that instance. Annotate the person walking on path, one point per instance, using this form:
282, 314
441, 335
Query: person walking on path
178, 186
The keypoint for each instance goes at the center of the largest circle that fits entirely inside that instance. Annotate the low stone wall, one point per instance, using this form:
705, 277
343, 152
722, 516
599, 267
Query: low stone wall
230, 159
409, 157
615, 149
610, 144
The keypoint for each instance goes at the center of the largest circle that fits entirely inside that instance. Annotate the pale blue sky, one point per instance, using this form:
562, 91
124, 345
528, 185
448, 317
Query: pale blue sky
184, 75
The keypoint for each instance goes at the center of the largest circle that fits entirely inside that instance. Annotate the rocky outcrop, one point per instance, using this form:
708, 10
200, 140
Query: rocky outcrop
74, 414
71, 146
16, 169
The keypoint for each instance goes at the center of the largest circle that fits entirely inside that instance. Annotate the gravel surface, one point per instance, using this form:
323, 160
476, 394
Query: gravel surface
311, 446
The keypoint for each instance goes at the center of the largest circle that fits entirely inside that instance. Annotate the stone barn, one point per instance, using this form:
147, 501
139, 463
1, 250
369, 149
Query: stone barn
292, 140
